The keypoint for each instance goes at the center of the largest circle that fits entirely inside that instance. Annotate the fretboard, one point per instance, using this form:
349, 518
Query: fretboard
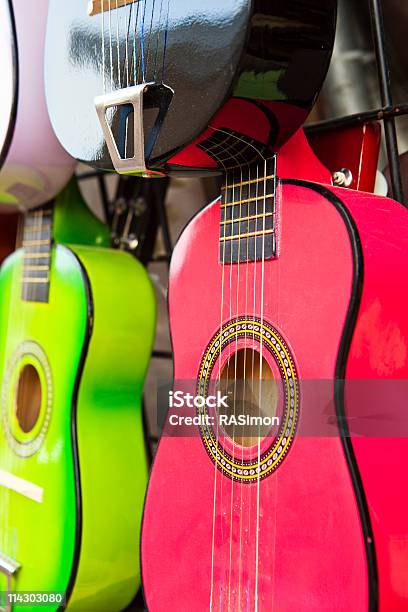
248, 220
248, 212
37, 242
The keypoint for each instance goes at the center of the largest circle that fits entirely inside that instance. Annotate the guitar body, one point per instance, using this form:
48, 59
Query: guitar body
273, 55
73, 468
36, 167
9, 77
330, 509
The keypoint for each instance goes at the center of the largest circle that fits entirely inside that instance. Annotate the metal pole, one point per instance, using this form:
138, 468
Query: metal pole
377, 24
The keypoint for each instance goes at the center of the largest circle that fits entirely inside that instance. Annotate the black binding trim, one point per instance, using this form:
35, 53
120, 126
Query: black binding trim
340, 377
74, 437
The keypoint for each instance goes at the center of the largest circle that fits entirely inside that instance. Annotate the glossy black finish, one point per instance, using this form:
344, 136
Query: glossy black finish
274, 52
8, 77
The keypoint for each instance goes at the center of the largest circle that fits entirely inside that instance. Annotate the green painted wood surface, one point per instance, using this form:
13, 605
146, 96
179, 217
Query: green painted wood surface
112, 462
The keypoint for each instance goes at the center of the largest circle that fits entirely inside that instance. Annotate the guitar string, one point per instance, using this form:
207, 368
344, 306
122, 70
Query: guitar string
253, 352
118, 43
103, 46
244, 399
127, 47
262, 288
150, 34
219, 383
237, 164
242, 485
226, 174
134, 51
212, 586
235, 157
258, 490
159, 28
165, 40
9, 460
17, 286
129, 21
142, 44
127, 74
276, 475
110, 44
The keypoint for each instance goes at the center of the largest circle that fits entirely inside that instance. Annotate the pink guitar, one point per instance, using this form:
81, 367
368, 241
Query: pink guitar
35, 167
291, 297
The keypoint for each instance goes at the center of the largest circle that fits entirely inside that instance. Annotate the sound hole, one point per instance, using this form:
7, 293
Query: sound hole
252, 390
28, 403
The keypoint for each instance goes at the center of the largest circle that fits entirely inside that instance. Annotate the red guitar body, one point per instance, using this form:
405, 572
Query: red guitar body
330, 507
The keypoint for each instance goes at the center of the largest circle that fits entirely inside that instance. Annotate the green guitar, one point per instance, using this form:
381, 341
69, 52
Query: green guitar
76, 331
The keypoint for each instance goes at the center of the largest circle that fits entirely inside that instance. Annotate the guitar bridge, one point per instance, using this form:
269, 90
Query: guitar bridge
8, 567
101, 6
133, 99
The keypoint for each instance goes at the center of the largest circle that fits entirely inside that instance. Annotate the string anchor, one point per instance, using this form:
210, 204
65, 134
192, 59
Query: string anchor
115, 108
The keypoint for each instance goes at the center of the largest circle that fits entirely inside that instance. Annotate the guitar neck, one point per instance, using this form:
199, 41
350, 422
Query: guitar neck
248, 211
37, 244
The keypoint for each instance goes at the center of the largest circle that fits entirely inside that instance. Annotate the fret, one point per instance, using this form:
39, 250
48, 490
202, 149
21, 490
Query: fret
33, 279
251, 209
38, 227
35, 268
240, 229
247, 249
29, 238
35, 273
262, 198
261, 233
38, 223
247, 192
39, 219
36, 242
36, 255
250, 182
32, 229
253, 217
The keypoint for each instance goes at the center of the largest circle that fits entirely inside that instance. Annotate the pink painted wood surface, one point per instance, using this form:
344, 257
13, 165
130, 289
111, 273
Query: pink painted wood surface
379, 352
311, 554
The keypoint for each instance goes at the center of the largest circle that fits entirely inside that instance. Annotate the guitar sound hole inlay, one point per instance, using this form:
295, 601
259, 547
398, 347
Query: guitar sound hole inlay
28, 398
237, 465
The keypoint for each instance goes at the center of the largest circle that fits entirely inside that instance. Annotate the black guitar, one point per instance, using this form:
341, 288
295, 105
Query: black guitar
183, 67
